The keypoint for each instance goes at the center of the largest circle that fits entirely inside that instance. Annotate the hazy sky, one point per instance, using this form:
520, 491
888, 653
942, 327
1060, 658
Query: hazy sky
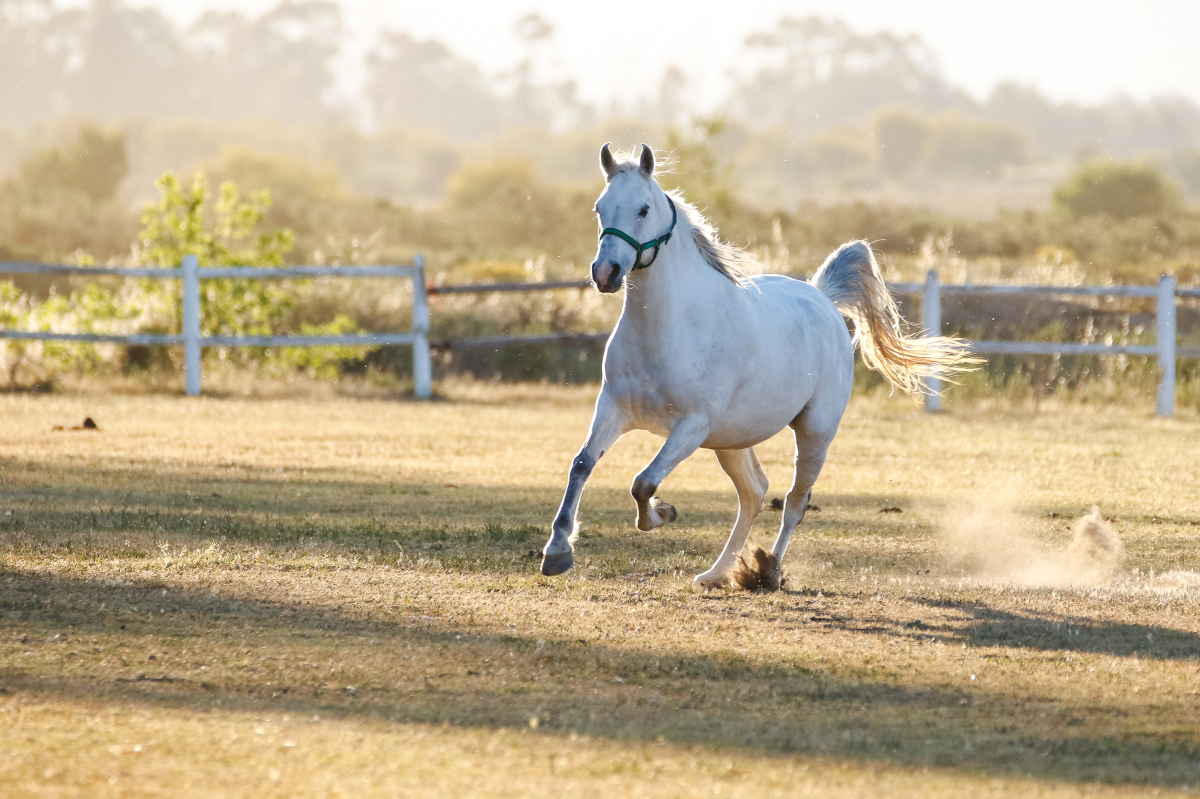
1084, 51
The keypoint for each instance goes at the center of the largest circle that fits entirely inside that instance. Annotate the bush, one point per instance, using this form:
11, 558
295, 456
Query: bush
329, 225
1119, 190
948, 144
903, 137
65, 200
94, 165
838, 152
974, 147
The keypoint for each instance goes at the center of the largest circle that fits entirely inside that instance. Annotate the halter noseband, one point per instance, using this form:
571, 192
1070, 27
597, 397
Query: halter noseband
655, 244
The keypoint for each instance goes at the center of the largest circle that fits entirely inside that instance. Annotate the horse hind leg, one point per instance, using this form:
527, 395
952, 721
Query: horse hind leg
813, 436
751, 483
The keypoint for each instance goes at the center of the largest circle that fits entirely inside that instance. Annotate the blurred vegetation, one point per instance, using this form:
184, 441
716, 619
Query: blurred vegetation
808, 100
947, 144
507, 218
64, 199
1121, 191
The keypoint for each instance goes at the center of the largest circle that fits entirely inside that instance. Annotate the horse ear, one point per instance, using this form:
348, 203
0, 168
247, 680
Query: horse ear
647, 162
607, 162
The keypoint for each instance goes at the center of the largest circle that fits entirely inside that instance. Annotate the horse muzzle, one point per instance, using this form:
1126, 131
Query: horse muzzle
607, 277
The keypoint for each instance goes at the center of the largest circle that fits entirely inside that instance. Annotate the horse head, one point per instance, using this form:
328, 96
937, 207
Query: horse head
636, 219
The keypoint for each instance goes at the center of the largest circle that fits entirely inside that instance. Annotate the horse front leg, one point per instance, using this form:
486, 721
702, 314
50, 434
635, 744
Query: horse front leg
608, 424
685, 439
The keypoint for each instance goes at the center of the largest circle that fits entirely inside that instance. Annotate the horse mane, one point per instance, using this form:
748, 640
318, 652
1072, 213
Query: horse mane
728, 259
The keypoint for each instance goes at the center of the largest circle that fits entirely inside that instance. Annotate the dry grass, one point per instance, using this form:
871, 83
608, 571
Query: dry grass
335, 597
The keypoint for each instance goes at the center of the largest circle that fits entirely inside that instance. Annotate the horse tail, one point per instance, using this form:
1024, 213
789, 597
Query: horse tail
851, 278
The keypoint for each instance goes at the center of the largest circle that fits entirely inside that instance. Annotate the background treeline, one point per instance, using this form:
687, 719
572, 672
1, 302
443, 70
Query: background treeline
109, 60
814, 106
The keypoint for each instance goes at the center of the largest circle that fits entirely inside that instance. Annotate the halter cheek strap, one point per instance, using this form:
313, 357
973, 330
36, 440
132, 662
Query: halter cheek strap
654, 244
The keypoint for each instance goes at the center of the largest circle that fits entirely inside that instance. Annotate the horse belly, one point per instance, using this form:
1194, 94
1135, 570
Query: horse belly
778, 389
754, 417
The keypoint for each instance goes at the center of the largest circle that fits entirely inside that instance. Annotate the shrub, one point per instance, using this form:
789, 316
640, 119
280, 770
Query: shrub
1119, 190
65, 199
964, 146
838, 151
903, 137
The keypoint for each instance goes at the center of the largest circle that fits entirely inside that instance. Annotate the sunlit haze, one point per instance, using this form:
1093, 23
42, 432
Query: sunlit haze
1086, 52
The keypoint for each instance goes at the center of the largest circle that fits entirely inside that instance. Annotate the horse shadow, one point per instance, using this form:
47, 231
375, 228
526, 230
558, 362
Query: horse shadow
990, 626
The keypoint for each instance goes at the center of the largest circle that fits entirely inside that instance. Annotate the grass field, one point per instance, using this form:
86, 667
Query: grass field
339, 597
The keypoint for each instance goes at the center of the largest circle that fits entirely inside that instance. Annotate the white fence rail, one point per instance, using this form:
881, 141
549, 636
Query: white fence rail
931, 291
193, 342
1164, 350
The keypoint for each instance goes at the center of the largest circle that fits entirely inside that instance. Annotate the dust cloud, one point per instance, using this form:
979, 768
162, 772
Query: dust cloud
992, 542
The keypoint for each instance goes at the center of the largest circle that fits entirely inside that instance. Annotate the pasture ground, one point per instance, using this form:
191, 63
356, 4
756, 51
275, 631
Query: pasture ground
338, 597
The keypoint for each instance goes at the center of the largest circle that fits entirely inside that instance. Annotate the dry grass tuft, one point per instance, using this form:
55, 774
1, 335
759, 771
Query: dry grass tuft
757, 570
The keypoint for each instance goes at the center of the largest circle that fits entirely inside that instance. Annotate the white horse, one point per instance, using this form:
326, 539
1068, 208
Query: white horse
707, 356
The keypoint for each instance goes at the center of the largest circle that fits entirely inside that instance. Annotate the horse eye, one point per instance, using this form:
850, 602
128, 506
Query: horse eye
644, 211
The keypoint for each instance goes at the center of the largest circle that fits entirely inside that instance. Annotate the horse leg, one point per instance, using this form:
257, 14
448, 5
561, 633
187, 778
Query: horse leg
687, 436
608, 424
814, 432
750, 480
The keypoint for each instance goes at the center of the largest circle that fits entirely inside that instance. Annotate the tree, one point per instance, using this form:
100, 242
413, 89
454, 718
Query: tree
422, 84
278, 65
814, 72
32, 62
537, 95
125, 62
1121, 125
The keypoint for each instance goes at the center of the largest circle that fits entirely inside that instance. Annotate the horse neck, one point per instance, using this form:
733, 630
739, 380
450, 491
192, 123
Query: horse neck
679, 285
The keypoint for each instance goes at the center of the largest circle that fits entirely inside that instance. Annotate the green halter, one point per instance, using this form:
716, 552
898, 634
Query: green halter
655, 244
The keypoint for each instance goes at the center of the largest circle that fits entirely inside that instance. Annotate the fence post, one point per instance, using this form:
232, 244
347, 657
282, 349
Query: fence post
1166, 345
422, 373
191, 325
931, 319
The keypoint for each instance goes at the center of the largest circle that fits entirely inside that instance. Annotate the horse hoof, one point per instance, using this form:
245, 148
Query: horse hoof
709, 582
557, 564
666, 512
